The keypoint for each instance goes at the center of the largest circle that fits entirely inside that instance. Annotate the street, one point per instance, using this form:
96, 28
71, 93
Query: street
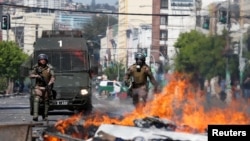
16, 108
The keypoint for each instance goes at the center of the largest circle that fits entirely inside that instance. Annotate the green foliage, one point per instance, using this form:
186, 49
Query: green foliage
3, 84
201, 54
112, 72
98, 26
11, 58
246, 51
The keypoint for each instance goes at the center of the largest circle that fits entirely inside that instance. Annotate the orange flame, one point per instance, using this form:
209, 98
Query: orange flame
177, 102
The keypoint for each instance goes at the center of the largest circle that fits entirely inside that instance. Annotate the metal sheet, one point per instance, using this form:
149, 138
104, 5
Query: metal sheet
129, 133
16, 131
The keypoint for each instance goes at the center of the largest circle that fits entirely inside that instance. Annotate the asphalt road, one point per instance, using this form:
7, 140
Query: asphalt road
15, 108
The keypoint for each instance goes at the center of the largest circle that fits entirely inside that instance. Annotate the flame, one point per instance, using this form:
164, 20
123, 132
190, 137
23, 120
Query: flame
177, 102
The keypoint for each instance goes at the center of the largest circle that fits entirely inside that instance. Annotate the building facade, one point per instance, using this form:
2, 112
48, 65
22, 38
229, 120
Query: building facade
138, 12
176, 16
67, 21
27, 27
55, 4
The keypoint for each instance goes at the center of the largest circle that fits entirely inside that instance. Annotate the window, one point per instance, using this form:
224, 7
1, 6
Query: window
164, 50
163, 35
164, 4
67, 60
110, 84
164, 20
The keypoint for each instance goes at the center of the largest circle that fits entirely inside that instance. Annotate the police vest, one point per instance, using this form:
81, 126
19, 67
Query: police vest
140, 77
45, 73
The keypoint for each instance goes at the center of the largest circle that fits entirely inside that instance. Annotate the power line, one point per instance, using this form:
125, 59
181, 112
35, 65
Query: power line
92, 12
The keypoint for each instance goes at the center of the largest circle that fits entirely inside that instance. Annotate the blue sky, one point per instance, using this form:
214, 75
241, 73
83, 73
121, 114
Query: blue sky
111, 2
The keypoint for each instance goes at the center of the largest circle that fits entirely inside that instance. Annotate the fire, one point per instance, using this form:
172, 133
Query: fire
177, 102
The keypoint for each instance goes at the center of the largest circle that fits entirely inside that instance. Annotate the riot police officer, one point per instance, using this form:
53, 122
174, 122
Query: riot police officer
43, 73
136, 78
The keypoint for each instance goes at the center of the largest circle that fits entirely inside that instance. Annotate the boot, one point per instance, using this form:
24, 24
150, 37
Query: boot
36, 109
46, 109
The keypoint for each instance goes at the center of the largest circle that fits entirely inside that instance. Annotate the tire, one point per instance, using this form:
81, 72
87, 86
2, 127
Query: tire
31, 110
88, 107
31, 106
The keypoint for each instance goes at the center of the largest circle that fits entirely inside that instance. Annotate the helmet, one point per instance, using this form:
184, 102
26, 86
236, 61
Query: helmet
42, 57
140, 56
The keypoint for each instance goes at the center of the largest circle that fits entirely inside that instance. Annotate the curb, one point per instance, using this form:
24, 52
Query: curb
10, 95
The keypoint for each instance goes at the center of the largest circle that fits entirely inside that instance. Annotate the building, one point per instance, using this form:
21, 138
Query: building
108, 52
27, 24
67, 21
27, 27
244, 12
176, 16
55, 4
138, 13
143, 34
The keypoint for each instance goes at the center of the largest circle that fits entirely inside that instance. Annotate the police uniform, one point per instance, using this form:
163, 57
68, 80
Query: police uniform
139, 74
41, 90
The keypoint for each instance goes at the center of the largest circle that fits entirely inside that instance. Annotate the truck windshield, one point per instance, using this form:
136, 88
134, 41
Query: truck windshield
67, 61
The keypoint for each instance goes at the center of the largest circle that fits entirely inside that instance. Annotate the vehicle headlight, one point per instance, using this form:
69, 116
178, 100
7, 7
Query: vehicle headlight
84, 91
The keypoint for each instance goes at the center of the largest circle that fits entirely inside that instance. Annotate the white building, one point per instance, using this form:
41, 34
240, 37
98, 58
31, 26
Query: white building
56, 4
129, 21
26, 27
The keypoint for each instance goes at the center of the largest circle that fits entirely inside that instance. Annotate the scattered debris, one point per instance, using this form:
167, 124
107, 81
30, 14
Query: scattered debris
144, 134
155, 122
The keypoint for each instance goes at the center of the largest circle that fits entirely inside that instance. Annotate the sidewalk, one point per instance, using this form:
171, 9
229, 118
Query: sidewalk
11, 95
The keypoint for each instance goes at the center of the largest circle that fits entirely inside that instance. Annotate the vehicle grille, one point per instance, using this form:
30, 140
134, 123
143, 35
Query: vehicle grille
67, 94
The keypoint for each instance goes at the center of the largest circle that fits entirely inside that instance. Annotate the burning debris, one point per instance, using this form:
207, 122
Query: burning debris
155, 122
153, 129
177, 113
128, 133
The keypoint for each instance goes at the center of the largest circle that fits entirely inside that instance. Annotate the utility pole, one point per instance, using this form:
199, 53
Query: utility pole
228, 50
241, 59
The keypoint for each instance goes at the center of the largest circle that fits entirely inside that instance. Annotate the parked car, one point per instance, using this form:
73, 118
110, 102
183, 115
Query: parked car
111, 90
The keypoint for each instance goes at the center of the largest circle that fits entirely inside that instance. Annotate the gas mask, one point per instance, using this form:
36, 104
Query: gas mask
138, 68
139, 64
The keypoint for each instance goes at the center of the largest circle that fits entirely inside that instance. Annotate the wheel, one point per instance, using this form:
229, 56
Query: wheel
88, 108
31, 110
31, 106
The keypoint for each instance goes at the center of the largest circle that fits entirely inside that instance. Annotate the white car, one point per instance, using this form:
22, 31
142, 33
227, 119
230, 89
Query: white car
109, 89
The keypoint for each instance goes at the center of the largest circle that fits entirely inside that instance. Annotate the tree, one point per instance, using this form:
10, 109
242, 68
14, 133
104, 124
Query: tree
92, 30
11, 58
246, 52
202, 55
97, 26
114, 71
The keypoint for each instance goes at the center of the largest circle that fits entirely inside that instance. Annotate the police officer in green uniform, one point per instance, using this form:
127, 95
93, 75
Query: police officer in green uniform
136, 78
43, 73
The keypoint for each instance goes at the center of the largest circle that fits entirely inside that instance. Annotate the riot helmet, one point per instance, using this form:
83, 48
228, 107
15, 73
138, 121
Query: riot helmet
42, 57
140, 61
140, 56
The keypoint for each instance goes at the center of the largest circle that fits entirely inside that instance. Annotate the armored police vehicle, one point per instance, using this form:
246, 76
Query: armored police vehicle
69, 55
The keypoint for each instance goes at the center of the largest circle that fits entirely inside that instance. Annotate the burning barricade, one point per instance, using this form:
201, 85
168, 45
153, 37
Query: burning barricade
177, 113
148, 128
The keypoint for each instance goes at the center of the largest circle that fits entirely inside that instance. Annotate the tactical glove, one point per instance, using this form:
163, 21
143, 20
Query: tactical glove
48, 87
